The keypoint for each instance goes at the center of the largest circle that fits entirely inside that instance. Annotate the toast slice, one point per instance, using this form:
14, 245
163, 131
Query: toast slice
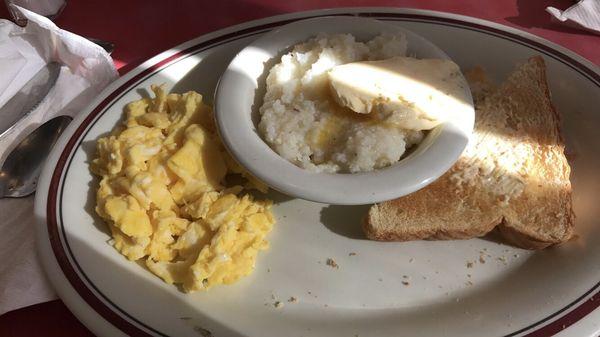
513, 175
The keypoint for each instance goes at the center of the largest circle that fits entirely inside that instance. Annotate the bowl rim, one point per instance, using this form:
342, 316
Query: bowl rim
434, 156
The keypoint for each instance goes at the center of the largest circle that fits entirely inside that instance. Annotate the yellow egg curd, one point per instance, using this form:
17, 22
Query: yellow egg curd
163, 194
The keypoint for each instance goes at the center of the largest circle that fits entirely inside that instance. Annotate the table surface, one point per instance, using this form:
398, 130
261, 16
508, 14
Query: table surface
128, 24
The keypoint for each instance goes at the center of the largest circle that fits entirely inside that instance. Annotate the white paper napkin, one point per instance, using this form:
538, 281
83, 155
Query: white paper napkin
584, 15
86, 70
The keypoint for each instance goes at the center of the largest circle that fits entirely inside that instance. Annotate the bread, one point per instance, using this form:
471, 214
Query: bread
513, 175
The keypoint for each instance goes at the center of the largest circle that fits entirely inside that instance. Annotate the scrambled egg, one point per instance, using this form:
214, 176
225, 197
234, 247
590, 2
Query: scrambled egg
163, 195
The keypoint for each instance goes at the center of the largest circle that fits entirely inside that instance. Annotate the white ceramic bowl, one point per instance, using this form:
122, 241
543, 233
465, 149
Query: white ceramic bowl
239, 96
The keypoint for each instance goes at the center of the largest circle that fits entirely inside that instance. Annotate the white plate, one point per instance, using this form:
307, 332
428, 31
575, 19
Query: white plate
514, 293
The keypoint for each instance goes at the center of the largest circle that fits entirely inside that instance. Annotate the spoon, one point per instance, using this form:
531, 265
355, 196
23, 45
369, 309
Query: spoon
19, 174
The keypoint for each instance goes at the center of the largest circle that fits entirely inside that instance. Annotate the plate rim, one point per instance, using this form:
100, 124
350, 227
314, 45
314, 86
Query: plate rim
53, 172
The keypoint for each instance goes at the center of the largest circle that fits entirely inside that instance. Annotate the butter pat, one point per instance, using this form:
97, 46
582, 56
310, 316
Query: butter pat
414, 94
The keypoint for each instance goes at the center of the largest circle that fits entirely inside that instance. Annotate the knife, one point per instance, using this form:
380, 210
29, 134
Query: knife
28, 97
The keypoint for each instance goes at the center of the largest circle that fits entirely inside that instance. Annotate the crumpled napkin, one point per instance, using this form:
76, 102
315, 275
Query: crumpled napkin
583, 15
86, 70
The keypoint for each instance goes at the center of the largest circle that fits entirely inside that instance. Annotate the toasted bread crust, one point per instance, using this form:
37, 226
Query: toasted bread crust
440, 201
538, 216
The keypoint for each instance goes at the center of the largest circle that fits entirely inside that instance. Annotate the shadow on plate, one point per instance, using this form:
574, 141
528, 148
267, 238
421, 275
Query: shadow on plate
345, 220
276, 196
494, 236
143, 92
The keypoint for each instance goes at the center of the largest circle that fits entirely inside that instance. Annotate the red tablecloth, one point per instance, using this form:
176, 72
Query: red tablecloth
140, 29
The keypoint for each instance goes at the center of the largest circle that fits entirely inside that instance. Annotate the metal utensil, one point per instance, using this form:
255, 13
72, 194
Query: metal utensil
19, 174
28, 97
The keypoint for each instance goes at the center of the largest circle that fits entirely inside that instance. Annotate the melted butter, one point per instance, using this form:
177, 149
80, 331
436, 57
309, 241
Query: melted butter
333, 127
415, 94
